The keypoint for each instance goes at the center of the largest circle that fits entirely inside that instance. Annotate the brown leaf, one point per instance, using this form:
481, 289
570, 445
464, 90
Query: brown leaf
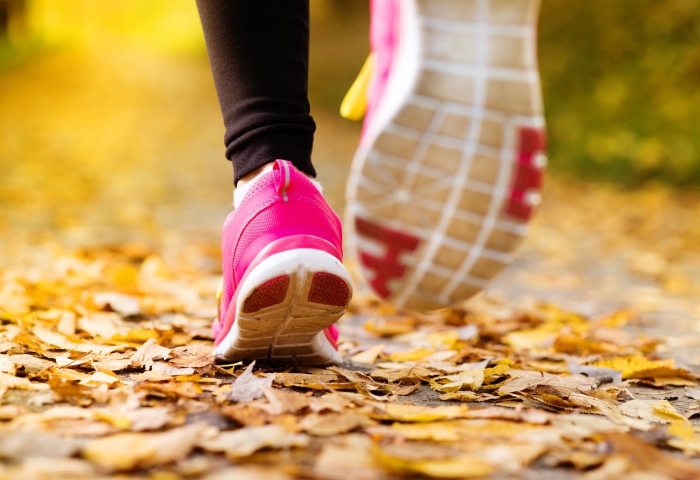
332, 423
170, 370
248, 386
645, 457
196, 356
147, 353
176, 389
303, 379
247, 414
285, 401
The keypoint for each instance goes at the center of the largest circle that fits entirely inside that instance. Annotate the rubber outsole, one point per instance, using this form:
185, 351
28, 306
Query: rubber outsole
283, 308
448, 172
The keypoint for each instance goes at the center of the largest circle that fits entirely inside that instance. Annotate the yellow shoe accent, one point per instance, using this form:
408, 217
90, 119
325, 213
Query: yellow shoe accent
355, 102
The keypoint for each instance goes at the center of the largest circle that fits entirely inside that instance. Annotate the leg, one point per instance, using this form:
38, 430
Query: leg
284, 284
259, 54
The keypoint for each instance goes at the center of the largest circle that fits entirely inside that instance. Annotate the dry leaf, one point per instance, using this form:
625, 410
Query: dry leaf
58, 340
248, 387
368, 356
126, 451
170, 370
284, 401
660, 411
332, 423
147, 353
125, 305
246, 441
30, 363
432, 460
404, 412
639, 367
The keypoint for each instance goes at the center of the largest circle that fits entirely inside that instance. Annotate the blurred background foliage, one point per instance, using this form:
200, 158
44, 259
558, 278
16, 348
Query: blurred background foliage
621, 78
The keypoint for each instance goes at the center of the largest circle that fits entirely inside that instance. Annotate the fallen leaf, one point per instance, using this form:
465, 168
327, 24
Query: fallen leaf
518, 414
125, 451
196, 356
369, 356
328, 424
99, 377
170, 370
660, 411
58, 340
147, 353
246, 441
432, 460
150, 376
404, 412
349, 458
303, 380
125, 305
284, 401
411, 355
693, 393
635, 366
248, 387
30, 363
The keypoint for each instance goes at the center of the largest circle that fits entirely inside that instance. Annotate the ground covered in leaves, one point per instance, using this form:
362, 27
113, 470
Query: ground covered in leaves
106, 370
581, 362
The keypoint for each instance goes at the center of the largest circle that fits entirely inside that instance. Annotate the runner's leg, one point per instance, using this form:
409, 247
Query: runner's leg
259, 54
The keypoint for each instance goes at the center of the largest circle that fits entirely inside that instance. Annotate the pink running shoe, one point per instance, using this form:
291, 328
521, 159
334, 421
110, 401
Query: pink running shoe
284, 284
449, 168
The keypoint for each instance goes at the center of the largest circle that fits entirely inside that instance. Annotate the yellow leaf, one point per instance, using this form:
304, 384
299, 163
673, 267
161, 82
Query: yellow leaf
137, 335
615, 320
542, 337
120, 452
472, 379
665, 409
417, 413
462, 396
118, 420
444, 340
411, 356
390, 326
125, 276
437, 431
635, 366
682, 429
499, 369
462, 466
100, 377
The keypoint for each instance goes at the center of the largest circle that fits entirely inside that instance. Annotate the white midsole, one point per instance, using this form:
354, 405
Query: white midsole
284, 263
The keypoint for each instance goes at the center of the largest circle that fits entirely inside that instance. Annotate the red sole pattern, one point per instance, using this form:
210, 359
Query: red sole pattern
329, 289
269, 293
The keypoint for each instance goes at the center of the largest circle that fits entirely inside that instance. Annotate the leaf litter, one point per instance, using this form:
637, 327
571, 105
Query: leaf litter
110, 374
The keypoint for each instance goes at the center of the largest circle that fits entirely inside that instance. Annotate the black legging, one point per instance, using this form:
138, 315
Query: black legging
259, 54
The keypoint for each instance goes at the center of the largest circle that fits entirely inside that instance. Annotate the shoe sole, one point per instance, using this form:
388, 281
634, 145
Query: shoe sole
447, 174
283, 307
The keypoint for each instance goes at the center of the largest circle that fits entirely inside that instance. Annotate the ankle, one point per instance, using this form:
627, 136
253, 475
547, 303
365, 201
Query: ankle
246, 181
259, 171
